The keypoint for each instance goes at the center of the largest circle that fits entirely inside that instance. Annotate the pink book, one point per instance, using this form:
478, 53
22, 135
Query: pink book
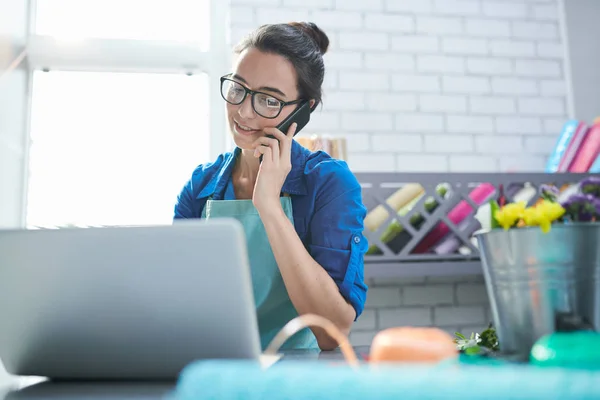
573, 148
459, 213
588, 151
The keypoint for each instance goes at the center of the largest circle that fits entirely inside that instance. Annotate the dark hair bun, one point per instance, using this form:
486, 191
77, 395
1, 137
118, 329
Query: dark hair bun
315, 33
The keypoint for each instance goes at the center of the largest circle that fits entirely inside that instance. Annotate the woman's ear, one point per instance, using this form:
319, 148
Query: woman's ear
312, 103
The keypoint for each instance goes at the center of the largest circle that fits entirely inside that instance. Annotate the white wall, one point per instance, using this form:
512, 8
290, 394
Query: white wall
450, 303
439, 85
433, 85
583, 46
13, 103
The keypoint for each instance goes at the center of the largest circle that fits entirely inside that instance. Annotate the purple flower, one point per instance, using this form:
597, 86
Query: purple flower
590, 186
581, 207
596, 204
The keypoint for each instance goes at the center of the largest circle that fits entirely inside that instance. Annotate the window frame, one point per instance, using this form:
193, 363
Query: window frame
123, 55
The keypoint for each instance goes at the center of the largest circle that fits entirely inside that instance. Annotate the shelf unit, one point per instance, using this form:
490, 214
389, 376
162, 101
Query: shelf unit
377, 187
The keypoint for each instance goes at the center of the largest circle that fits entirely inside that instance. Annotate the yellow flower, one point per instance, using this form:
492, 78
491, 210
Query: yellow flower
549, 212
543, 214
531, 216
508, 215
552, 210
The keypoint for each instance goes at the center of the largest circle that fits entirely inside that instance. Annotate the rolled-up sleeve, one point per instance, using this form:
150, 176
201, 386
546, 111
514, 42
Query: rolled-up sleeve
336, 241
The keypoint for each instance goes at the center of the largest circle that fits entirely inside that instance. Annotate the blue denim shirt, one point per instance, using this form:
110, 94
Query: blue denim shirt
327, 206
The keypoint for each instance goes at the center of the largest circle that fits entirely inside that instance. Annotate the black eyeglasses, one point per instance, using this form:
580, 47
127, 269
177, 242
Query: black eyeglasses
263, 104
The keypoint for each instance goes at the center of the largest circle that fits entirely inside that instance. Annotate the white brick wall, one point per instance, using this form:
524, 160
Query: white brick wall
433, 85
504, 9
427, 67
450, 304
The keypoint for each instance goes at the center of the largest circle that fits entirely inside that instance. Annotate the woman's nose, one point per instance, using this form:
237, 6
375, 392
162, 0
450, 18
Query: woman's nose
245, 109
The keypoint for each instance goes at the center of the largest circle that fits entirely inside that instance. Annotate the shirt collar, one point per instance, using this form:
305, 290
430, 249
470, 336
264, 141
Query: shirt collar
295, 183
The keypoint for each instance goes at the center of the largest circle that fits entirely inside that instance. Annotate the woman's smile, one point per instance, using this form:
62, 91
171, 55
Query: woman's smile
243, 129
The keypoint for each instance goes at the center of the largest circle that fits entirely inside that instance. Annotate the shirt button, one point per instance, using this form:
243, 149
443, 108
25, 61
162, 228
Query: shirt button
356, 239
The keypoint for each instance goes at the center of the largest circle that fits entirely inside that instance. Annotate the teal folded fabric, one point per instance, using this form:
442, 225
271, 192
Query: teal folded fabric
233, 380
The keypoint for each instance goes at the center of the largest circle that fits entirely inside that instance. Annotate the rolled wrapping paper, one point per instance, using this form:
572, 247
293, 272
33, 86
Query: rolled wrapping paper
395, 237
451, 243
526, 194
459, 213
513, 189
396, 201
573, 147
391, 235
567, 191
484, 216
562, 144
587, 151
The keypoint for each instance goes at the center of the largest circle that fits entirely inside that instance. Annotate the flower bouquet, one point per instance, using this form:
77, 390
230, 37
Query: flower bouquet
581, 206
542, 261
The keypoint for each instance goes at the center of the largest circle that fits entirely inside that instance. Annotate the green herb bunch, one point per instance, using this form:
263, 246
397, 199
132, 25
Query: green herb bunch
478, 343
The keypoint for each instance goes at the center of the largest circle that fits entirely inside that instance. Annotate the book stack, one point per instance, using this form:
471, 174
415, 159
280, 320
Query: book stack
577, 149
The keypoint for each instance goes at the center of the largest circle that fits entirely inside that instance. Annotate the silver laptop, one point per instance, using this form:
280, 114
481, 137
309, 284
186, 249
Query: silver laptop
125, 302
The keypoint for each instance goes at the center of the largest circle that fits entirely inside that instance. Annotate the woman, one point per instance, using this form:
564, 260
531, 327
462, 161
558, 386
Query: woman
302, 211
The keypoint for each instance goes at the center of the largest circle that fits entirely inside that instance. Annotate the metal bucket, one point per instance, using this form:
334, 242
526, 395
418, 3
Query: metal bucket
533, 278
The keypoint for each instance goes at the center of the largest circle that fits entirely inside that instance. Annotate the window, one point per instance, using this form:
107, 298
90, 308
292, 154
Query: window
124, 106
173, 20
113, 148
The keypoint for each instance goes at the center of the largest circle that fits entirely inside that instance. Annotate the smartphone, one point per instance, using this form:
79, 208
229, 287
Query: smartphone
300, 116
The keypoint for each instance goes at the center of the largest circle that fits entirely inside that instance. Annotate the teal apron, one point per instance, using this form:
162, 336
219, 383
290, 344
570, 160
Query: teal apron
273, 306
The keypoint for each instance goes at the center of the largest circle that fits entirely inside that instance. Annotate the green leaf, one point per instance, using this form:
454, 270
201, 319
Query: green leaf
472, 351
493, 208
489, 338
460, 335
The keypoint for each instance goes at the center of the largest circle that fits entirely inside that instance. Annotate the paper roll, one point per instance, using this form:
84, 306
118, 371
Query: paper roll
396, 201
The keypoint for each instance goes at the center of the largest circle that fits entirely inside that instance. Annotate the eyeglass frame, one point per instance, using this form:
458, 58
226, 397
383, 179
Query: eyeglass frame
254, 92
